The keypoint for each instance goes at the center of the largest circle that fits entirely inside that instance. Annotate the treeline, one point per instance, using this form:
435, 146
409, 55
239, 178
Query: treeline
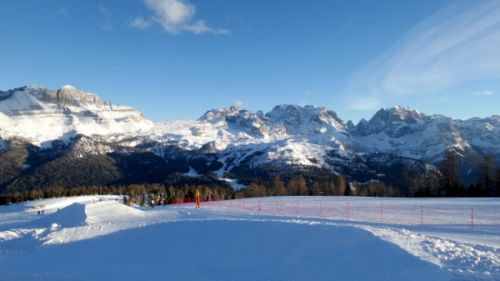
139, 194
301, 186
296, 186
158, 194
488, 180
446, 183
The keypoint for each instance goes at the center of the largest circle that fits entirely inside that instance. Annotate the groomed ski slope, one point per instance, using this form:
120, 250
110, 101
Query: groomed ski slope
98, 238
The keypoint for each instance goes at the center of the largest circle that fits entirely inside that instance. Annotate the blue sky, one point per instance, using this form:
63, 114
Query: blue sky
178, 58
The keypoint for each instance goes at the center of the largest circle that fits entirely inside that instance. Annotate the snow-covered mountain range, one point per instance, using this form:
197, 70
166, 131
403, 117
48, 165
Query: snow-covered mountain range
40, 115
228, 139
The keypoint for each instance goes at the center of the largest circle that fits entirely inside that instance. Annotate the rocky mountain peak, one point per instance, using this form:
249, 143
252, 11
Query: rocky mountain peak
295, 115
397, 114
391, 120
237, 119
69, 95
40, 114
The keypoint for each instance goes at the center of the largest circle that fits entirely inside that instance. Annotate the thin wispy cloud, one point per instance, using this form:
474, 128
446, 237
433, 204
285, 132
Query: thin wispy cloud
140, 23
105, 15
103, 11
484, 93
366, 103
455, 46
239, 104
63, 11
107, 26
175, 16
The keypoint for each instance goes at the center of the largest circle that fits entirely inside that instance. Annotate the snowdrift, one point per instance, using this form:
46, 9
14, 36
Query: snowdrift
78, 214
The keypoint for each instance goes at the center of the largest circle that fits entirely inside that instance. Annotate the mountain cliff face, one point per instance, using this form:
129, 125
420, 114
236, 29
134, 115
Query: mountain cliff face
41, 116
41, 129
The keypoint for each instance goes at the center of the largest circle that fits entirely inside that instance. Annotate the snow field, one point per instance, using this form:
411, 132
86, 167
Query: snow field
98, 238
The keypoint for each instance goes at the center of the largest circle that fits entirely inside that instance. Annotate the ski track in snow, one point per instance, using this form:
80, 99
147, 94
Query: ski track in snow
464, 255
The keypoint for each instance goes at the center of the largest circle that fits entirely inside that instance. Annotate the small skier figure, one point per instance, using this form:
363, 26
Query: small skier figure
197, 197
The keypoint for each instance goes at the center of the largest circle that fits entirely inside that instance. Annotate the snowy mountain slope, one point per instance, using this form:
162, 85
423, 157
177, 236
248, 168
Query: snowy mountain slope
409, 133
226, 139
482, 133
5, 122
399, 131
41, 115
289, 134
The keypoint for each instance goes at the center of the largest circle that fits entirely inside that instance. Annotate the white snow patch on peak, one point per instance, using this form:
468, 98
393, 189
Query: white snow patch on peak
20, 100
68, 87
401, 113
34, 87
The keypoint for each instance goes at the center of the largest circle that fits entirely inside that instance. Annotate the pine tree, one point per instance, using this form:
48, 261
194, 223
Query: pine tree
341, 186
278, 187
330, 188
449, 170
255, 190
497, 181
316, 189
487, 176
297, 186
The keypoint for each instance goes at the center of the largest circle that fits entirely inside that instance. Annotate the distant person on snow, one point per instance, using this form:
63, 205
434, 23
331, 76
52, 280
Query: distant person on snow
197, 197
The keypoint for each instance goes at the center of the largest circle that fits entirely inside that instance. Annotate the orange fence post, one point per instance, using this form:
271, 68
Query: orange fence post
472, 218
348, 211
382, 212
421, 215
320, 209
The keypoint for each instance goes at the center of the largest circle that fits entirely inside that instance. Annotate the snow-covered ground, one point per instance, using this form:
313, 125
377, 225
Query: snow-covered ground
279, 238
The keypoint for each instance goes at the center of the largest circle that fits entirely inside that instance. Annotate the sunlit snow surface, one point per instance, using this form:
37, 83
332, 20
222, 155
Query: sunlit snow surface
279, 238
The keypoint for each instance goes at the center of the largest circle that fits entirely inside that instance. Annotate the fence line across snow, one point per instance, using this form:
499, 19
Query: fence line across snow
424, 215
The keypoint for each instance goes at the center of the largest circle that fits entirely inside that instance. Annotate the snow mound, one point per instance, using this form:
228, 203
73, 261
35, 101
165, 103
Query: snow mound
111, 212
71, 216
100, 218
89, 213
53, 204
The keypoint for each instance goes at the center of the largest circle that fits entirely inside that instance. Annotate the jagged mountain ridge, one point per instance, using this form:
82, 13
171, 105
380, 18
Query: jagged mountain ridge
41, 115
233, 141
